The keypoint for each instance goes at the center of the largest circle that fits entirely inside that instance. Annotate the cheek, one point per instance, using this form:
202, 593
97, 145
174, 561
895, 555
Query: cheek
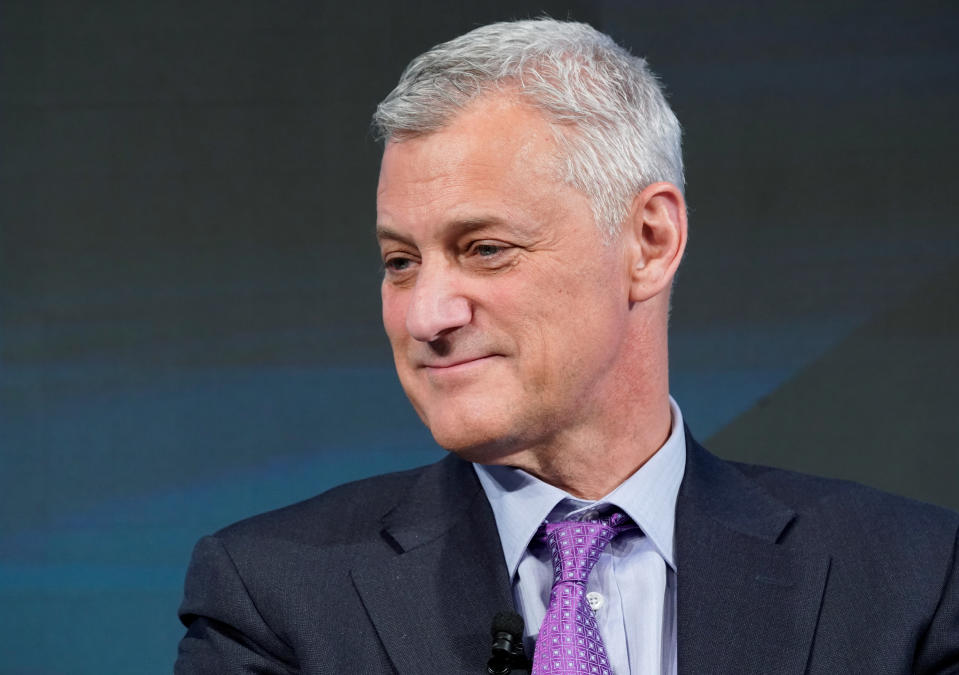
394, 314
542, 329
576, 325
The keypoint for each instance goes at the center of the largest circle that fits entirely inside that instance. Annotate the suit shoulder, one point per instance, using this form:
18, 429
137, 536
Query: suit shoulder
339, 515
846, 506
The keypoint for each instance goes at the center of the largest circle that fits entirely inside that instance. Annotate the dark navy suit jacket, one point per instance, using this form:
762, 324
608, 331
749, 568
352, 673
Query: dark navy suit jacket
777, 573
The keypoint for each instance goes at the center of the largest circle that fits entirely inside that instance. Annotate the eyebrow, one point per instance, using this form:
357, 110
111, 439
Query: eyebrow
383, 232
453, 228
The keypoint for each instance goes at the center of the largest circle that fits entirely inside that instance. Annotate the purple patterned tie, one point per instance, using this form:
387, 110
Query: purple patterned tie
569, 642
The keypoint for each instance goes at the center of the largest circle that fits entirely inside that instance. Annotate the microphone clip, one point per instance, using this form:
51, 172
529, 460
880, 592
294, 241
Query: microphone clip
507, 648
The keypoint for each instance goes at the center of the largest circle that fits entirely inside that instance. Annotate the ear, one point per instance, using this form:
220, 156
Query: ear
656, 234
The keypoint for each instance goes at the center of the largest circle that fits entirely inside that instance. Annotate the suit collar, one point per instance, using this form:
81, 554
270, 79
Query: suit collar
718, 490
432, 593
746, 602
439, 499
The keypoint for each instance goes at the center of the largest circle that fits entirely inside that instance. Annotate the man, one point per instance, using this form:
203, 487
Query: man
531, 219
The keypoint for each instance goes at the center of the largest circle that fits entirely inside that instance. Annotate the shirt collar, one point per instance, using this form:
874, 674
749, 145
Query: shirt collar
521, 502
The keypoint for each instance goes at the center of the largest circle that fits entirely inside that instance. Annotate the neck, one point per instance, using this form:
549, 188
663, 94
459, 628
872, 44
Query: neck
590, 463
631, 423
608, 444
628, 421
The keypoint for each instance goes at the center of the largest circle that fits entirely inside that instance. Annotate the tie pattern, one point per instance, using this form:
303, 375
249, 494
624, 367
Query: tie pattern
569, 642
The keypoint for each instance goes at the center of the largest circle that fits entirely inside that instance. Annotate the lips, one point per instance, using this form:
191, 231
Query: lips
458, 363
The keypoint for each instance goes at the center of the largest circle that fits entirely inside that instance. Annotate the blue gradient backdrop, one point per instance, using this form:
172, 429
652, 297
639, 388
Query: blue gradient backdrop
189, 328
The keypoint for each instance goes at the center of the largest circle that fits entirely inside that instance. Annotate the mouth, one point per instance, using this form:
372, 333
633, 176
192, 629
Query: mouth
457, 365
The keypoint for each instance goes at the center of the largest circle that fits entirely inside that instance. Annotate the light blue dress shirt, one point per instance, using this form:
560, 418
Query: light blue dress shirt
632, 588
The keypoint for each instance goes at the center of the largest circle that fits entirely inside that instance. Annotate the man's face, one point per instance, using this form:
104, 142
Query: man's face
505, 310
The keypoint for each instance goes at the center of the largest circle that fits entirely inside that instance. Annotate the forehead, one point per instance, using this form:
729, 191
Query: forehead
498, 150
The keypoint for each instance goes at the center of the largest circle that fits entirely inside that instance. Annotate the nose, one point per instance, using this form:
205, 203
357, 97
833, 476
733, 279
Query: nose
436, 307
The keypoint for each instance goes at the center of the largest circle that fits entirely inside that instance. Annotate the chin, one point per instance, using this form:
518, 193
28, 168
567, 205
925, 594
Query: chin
479, 425
474, 442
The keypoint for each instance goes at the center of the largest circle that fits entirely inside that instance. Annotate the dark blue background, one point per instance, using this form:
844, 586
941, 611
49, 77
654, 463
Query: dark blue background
189, 322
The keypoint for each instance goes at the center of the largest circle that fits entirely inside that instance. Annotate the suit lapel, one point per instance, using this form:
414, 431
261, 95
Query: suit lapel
746, 604
432, 598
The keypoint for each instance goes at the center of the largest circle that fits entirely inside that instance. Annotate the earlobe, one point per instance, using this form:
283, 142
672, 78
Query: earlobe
657, 232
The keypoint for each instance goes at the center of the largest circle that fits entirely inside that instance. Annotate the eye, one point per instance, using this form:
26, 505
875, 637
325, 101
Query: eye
490, 255
397, 264
487, 250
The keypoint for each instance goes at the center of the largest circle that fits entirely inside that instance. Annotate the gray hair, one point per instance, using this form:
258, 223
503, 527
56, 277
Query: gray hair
608, 109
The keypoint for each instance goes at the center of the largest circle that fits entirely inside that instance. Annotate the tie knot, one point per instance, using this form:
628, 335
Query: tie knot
576, 545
